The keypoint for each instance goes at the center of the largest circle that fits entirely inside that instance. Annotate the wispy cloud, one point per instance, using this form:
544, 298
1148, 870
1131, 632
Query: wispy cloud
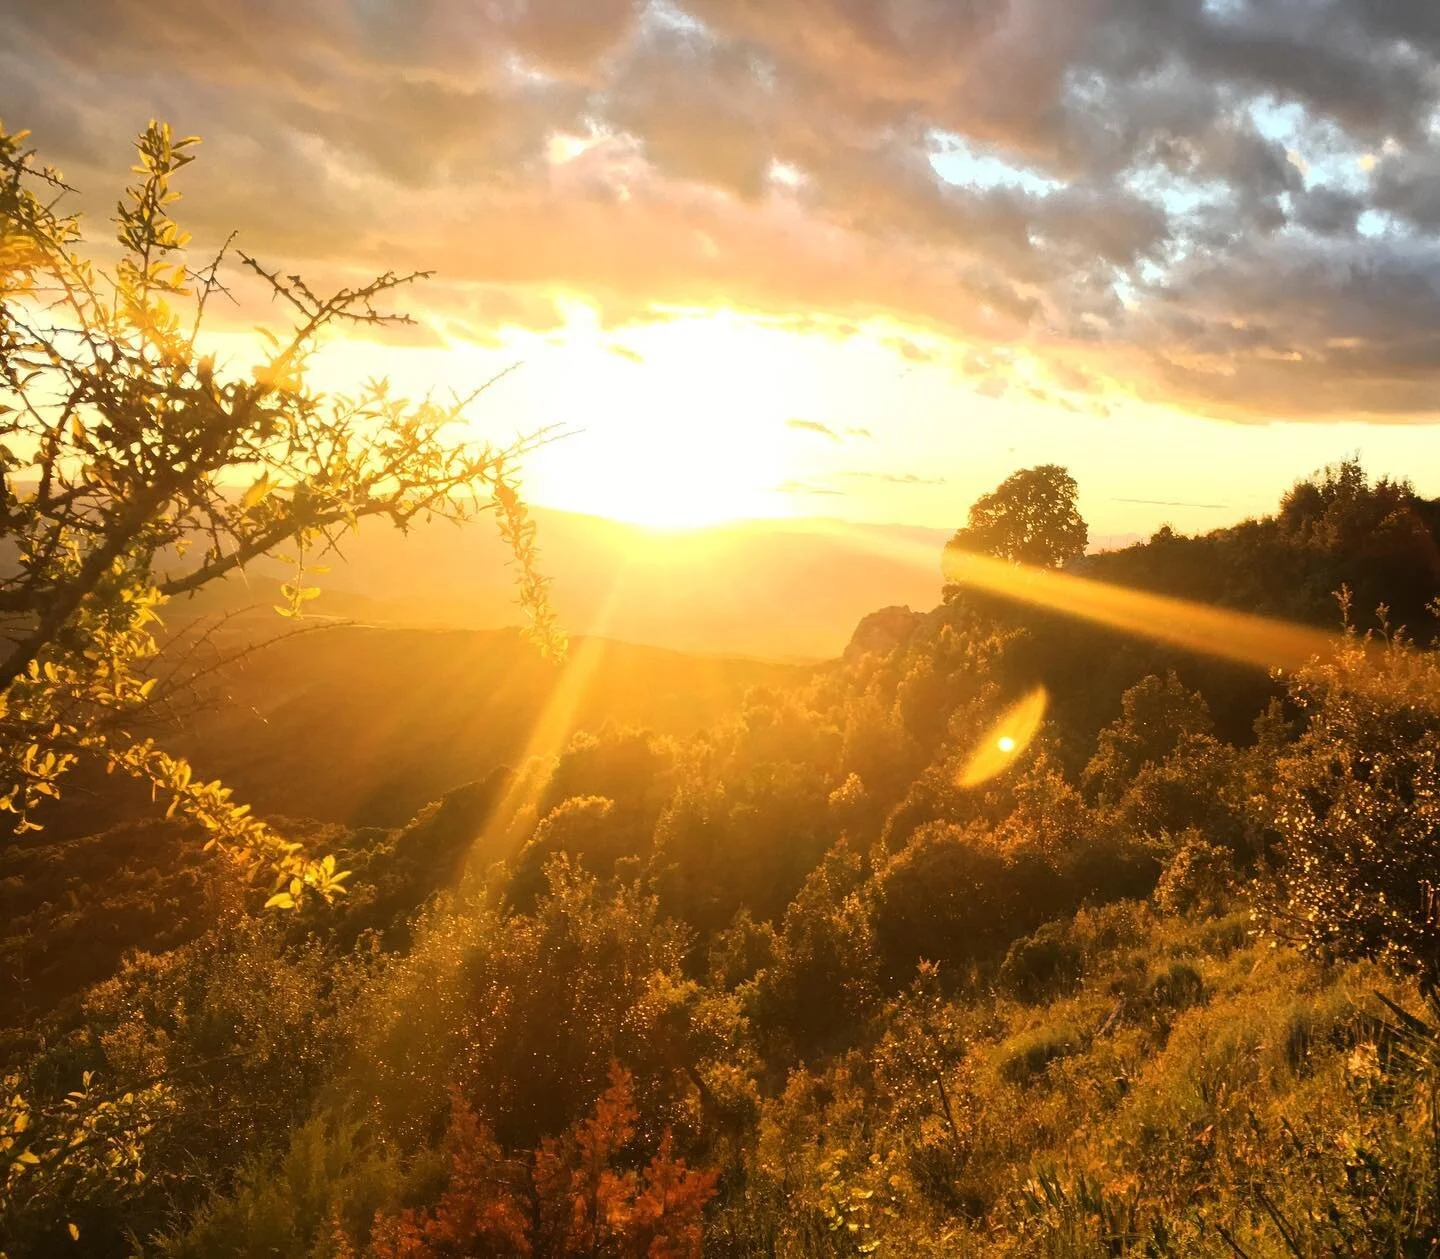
814, 426
1170, 502
808, 487
899, 478
852, 433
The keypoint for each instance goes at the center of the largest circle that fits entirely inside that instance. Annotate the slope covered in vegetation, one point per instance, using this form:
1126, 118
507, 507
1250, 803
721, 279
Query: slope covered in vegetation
783, 986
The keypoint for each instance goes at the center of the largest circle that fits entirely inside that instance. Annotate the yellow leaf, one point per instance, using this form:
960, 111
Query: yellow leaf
257, 492
74, 1233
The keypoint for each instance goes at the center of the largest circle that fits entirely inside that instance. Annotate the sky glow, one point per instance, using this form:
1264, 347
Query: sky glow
1192, 252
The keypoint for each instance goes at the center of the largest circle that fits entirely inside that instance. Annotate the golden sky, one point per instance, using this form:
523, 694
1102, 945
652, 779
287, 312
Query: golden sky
851, 258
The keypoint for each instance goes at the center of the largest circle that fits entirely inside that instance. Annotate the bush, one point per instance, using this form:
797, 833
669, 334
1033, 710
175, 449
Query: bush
1042, 965
1220, 938
1198, 878
1357, 809
1177, 987
948, 897
158, 472
1025, 1057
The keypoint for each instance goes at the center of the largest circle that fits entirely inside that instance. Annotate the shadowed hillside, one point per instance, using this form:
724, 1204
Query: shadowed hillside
386, 720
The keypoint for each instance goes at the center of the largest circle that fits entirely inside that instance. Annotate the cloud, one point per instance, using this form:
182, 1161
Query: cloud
1327, 211
900, 478
1229, 207
852, 433
1170, 502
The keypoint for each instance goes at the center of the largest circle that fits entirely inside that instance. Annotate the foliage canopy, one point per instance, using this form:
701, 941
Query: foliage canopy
135, 467
1031, 517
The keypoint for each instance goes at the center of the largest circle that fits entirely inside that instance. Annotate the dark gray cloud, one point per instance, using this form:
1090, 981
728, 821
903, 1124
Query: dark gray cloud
1230, 206
1409, 187
1329, 211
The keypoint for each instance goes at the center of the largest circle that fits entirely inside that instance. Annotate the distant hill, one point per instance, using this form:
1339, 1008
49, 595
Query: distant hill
365, 725
774, 590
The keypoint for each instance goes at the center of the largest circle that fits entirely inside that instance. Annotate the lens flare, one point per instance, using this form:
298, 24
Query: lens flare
1003, 743
1240, 636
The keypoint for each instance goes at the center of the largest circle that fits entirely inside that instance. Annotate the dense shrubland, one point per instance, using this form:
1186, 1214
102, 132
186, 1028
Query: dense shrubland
784, 987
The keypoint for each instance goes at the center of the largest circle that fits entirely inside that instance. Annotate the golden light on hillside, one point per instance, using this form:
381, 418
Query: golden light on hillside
555, 724
1002, 744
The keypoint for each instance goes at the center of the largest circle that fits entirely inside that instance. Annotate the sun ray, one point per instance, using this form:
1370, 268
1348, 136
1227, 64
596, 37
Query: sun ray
1265, 642
1240, 636
554, 725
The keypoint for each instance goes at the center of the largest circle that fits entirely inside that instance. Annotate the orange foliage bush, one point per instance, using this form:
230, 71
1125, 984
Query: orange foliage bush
573, 1196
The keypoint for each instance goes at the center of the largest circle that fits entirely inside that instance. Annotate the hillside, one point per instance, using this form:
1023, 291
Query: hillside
393, 868
763, 955
386, 719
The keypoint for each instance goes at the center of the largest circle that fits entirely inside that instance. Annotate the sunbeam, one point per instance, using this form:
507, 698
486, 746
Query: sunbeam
1239, 636
554, 726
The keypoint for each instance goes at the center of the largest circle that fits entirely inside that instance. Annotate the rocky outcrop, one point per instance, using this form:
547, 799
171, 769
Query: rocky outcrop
881, 632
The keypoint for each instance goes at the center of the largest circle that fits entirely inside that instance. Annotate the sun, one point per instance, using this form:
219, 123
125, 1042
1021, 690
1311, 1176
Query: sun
678, 423
666, 477
669, 444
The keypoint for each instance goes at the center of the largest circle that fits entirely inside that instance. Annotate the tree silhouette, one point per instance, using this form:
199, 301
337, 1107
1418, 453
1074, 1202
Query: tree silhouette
1029, 518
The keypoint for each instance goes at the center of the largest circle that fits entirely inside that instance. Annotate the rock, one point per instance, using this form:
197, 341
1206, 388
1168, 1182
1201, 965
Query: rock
881, 632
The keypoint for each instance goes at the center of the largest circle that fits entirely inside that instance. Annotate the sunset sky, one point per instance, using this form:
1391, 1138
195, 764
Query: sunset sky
844, 258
